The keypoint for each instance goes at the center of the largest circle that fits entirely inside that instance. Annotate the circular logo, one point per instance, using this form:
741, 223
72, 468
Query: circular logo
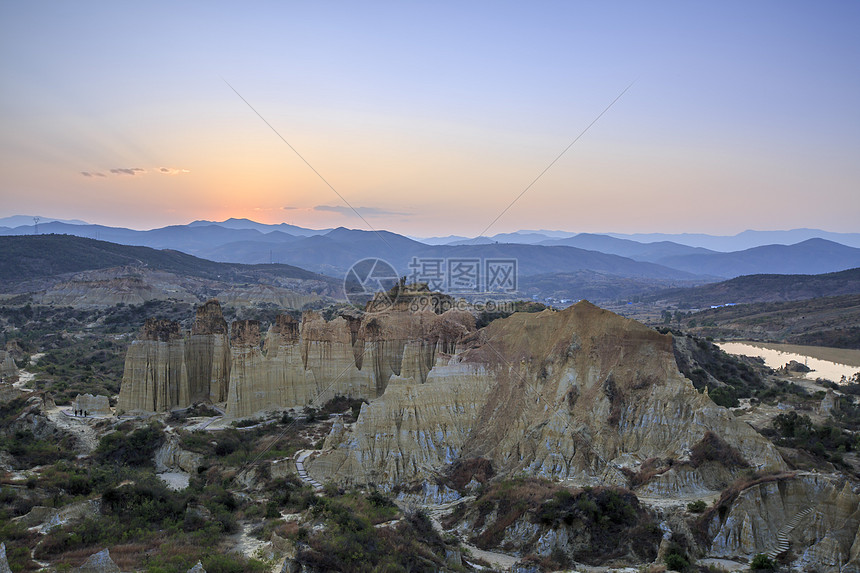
368, 280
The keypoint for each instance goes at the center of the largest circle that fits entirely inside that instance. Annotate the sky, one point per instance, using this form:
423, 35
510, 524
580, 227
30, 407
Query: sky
434, 118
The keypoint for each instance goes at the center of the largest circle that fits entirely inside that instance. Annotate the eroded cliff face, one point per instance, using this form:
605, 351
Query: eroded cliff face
816, 516
207, 355
155, 377
166, 368
294, 364
266, 294
314, 360
575, 395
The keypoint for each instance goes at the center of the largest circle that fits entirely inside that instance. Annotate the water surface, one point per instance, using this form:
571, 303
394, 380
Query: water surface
829, 363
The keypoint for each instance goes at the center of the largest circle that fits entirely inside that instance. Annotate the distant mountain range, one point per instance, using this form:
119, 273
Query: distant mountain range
23, 220
538, 253
721, 243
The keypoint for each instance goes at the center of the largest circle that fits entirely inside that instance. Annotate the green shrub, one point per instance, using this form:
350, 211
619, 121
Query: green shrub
232, 563
272, 510
713, 448
30, 451
676, 562
697, 506
675, 559
131, 449
762, 562
725, 397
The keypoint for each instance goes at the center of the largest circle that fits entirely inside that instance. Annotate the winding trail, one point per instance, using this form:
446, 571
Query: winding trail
500, 561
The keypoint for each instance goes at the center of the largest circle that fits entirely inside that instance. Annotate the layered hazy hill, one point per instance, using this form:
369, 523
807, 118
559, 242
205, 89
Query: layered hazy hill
32, 257
73, 271
693, 257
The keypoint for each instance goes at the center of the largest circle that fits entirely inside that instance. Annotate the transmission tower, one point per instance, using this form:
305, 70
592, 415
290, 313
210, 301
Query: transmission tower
35, 225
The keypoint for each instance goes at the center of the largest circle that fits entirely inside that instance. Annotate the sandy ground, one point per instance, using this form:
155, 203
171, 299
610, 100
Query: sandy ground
678, 501
175, 480
497, 560
253, 548
726, 564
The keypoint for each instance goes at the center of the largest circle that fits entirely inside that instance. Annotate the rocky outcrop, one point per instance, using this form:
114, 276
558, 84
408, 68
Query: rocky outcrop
4, 563
829, 404
8, 368
171, 457
794, 367
576, 395
815, 515
99, 563
92, 405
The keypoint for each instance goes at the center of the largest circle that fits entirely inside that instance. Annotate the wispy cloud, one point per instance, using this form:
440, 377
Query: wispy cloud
135, 171
172, 170
128, 170
363, 211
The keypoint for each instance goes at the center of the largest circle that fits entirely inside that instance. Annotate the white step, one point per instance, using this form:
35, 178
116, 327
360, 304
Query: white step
783, 539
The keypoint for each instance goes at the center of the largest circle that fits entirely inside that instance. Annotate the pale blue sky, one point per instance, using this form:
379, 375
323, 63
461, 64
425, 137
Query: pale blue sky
435, 115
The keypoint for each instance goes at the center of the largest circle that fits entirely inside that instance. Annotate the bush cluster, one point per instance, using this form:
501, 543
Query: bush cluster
825, 441
127, 447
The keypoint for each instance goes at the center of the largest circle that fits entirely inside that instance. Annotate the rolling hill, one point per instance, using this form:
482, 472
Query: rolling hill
25, 258
763, 288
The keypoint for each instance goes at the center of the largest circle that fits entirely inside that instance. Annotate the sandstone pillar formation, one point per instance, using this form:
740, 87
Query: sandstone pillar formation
207, 355
155, 377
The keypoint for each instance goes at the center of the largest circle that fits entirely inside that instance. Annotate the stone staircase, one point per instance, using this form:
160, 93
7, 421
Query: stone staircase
301, 456
782, 536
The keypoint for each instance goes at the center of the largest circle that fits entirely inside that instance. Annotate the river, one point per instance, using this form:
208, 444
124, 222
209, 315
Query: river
829, 363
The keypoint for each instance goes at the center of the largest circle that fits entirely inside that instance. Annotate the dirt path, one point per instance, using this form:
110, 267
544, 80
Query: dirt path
501, 561
80, 427
24, 378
